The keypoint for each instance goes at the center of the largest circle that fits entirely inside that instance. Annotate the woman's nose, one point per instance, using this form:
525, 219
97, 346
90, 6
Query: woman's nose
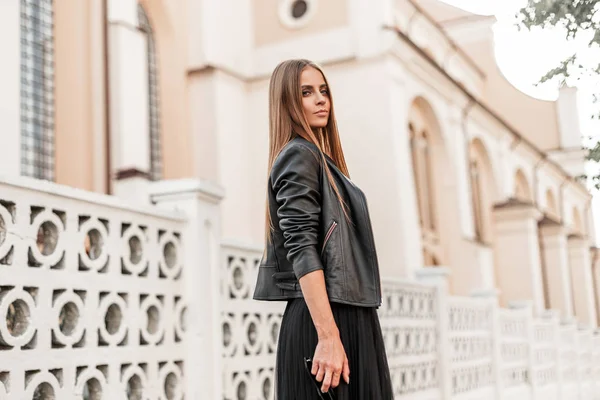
320, 99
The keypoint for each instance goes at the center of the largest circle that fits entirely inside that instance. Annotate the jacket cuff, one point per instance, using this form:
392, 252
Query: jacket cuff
307, 261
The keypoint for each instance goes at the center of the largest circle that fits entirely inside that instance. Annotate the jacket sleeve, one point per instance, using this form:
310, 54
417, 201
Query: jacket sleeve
295, 178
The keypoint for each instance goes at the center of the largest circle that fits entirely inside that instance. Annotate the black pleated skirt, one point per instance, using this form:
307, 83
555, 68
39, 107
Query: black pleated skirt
362, 339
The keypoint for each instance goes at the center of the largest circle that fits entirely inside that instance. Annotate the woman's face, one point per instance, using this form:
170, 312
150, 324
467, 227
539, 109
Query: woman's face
315, 97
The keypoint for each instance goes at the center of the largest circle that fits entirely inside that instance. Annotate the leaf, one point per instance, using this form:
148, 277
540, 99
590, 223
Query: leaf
594, 153
561, 71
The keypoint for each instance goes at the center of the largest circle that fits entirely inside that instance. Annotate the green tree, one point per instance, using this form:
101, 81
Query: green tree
580, 20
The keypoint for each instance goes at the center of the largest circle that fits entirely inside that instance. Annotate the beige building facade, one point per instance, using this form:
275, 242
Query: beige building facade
461, 170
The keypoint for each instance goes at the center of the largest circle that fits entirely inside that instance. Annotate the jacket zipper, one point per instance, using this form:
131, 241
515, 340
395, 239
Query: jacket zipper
328, 235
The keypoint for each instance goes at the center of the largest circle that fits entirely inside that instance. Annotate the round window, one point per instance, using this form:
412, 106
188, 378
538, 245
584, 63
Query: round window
299, 8
296, 13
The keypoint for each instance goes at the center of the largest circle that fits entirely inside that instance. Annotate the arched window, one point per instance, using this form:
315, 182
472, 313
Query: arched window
153, 97
522, 190
422, 165
477, 198
37, 89
483, 190
421, 159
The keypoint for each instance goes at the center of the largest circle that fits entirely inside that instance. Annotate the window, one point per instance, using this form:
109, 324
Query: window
429, 258
153, 97
299, 8
483, 191
296, 13
477, 198
37, 89
522, 191
422, 164
421, 158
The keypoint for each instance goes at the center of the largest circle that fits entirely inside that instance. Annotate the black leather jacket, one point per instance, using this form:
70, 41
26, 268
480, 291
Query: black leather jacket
312, 233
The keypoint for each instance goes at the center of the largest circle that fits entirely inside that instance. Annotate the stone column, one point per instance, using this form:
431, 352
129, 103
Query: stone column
556, 263
581, 272
129, 125
517, 253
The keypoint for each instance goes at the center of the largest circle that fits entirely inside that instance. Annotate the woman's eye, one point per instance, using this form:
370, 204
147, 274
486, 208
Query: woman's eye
325, 92
305, 93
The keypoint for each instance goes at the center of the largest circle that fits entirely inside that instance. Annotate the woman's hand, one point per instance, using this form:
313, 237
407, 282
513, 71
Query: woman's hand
330, 362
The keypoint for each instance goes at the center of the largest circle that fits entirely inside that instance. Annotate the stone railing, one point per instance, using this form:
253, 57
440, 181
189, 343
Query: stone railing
439, 346
409, 316
91, 296
515, 349
470, 337
250, 328
101, 300
545, 352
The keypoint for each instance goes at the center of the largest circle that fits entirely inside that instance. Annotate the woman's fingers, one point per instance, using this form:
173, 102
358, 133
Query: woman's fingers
327, 380
335, 379
315, 367
321, 373
346, 370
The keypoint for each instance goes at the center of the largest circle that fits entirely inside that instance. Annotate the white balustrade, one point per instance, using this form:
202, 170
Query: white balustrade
596, 365
250, 328
515, 353
568, 361
583, 346
470, 338
101, 300
409, 321
91, 297
545, 374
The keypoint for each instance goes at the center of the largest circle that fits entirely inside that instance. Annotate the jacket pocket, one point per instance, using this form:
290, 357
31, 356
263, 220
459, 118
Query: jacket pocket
328, 235
265, 284
286, 280
290, 286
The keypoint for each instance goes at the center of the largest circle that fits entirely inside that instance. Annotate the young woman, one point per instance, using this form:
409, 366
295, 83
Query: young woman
320, 253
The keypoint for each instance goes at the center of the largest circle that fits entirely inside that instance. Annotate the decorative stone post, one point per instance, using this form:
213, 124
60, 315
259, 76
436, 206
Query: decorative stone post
492, 296
201, 248
527, 308
438, 277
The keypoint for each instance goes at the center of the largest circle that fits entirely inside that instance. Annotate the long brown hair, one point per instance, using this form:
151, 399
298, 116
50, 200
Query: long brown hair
287, 119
